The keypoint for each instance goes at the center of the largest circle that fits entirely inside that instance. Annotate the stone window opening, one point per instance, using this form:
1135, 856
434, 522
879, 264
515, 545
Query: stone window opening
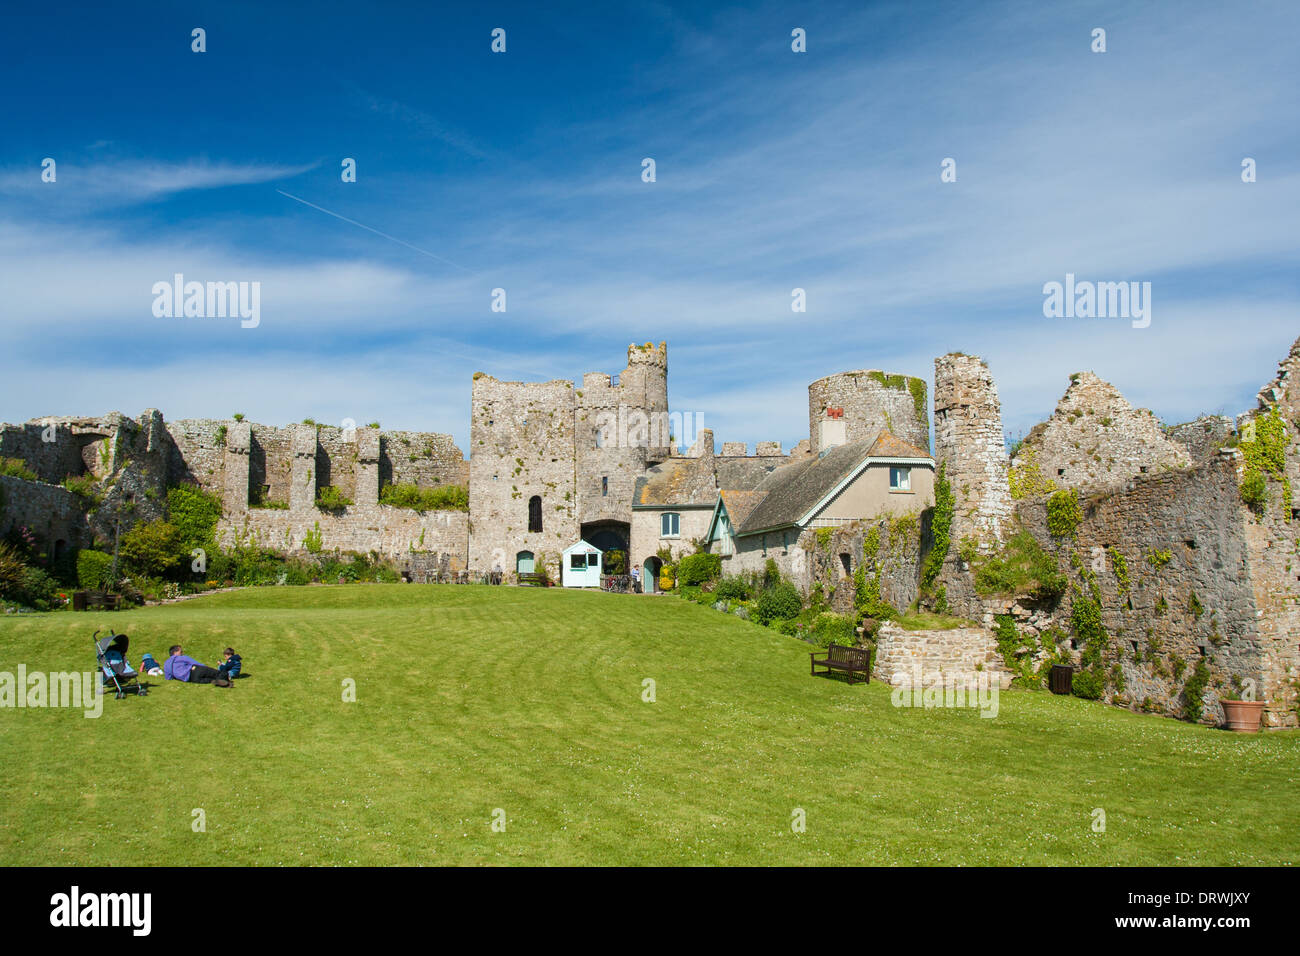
600, 438
1201, 648
604, 486
1135, 646
765, 546
1060, 473
535, 513
1144, 469
847, 563
1074, 643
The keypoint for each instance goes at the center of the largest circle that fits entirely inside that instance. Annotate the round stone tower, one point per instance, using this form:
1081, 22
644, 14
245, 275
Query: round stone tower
853, 406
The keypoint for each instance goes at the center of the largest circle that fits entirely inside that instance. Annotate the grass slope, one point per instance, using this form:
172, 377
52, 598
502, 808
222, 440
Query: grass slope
471, 699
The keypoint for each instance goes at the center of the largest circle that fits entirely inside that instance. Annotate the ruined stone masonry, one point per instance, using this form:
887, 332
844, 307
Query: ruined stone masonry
969, 445
1186, 563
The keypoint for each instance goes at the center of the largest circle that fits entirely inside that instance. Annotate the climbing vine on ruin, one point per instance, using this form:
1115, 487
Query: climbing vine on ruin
1063, 513
945, 504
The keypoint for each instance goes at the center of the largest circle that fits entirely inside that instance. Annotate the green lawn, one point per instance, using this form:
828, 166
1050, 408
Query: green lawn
471, 699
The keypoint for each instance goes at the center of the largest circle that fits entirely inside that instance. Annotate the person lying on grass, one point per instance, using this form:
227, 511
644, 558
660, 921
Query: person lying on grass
188, 670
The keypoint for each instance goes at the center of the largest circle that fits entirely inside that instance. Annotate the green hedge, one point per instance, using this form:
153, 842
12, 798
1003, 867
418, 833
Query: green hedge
699, 569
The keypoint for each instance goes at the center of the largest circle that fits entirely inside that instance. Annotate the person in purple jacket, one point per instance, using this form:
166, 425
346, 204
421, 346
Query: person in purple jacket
187, 669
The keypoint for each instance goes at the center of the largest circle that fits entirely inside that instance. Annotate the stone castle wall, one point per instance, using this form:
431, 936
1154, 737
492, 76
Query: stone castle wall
872, 400
52, 514
1096, 438
970, 446
1184, 589
440, 537
521, 445
1203, 437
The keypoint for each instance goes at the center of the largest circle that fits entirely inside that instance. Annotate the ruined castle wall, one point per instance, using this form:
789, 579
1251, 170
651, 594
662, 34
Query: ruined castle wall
392, 532
78, 446
871, 400
969, 444
51, 513
198, 454
1181, 533
895, 561
270, 463
424, 459
633, 416
1274, 545
1096, 438
1203, 437
521, 445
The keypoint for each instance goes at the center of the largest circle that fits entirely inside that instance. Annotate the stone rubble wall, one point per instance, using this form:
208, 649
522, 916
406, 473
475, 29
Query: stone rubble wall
391, 532
1095, 438
959, 652
1203, 437
51, 513
1181, 533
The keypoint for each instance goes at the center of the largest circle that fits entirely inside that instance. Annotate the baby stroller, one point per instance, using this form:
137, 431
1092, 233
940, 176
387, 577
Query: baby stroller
117, 670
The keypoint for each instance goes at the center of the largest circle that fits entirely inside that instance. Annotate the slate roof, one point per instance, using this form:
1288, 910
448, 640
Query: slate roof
888, 445
790, 492
739, 504
696, 481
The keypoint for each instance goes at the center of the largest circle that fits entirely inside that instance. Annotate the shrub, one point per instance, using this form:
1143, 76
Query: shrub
1089, 684
834, 629
699, 568
36, 589
732, 589
778, 603
1021, 566
85, 489
443, 498
1194, 691
1254, 491
195, 514
614, 561
154, 549
329, 498
16, 468
11, 569
94, 570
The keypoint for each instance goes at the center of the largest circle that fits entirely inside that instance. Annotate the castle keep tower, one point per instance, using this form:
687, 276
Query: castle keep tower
968, 443
550, 463
865, 402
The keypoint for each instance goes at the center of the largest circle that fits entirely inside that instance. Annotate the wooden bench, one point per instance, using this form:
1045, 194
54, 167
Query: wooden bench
850, 660
532, 579
85, 600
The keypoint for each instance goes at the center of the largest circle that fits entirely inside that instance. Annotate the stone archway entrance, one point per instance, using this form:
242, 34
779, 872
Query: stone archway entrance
650, 569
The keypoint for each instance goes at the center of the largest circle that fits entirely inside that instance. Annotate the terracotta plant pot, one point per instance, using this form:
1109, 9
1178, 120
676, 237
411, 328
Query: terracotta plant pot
1243, 716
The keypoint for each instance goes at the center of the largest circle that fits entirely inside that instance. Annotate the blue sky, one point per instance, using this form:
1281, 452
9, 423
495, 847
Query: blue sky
522, 171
